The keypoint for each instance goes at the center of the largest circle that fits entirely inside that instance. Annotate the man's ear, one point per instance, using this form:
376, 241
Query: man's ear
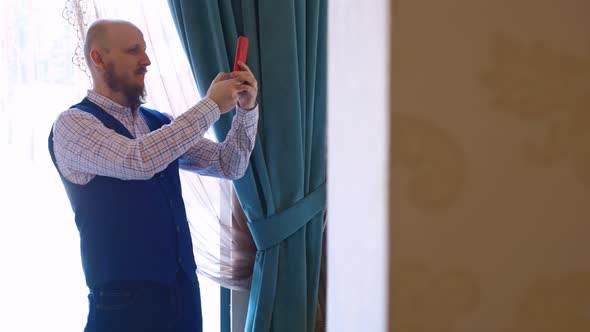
97, 59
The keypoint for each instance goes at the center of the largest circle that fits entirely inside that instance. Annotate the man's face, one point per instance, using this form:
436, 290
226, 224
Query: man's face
126, 63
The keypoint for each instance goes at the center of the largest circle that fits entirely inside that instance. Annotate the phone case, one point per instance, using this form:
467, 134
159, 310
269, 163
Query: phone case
241, 52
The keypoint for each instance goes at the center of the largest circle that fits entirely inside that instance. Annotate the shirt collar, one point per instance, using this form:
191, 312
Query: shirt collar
107, 104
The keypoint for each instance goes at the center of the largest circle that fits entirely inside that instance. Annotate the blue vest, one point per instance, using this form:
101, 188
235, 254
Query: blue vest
131, 229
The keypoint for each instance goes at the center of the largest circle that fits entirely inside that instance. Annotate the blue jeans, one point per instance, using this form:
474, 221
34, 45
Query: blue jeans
145, 306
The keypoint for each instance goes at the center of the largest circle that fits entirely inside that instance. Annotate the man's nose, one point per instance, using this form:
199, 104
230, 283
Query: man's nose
145, 60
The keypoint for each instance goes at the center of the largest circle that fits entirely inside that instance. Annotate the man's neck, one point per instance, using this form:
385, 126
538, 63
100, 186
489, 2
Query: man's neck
105, 91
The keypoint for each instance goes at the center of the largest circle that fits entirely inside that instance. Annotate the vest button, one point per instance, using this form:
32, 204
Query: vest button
177, 229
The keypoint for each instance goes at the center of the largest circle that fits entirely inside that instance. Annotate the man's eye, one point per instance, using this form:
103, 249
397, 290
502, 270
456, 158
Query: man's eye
134, 50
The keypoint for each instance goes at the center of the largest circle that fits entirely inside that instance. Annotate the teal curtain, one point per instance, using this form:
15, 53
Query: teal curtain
283, 192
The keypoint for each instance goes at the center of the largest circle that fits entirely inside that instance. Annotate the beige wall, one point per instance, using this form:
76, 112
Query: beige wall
490, 198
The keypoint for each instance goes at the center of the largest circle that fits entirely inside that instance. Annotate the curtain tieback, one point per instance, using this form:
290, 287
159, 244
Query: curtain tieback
273, 230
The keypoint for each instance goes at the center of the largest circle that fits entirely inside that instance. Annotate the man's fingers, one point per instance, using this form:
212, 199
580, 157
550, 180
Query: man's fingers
246, 88
244, 66
238, 81
220, 77
245, 77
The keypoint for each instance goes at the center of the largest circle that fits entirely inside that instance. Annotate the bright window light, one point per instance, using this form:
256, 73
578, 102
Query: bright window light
42, 285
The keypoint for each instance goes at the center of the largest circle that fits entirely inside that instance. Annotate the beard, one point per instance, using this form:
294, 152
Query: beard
134, 94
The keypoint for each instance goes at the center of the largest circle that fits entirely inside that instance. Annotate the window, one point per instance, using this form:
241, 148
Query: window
43, 286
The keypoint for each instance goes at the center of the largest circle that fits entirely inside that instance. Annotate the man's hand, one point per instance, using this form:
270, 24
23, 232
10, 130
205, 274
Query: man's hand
248, 87
237, 87
224, 92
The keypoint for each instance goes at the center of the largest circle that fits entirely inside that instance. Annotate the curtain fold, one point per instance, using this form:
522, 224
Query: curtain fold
320, 325
283, 191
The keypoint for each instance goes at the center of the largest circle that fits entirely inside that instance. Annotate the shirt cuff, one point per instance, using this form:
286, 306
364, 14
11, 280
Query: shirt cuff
247, 117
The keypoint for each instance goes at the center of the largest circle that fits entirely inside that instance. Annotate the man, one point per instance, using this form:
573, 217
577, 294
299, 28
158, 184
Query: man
119, 163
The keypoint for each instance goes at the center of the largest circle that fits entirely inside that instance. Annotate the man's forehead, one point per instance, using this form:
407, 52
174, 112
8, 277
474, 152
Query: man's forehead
125, 33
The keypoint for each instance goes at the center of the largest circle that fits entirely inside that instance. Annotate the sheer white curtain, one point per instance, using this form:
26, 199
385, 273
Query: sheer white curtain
41, 283
224, 250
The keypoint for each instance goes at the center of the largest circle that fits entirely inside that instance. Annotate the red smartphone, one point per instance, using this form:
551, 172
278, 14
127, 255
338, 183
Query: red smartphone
241, 52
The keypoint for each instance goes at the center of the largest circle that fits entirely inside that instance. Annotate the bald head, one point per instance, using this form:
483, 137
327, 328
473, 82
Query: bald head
103, 33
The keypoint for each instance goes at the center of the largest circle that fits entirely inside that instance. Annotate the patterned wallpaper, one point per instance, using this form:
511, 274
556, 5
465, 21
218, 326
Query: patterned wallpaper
490, 166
